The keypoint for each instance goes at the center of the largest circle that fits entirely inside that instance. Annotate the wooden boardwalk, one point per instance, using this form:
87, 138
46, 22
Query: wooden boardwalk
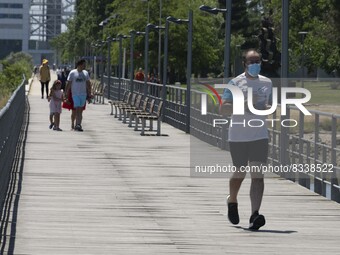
109, 190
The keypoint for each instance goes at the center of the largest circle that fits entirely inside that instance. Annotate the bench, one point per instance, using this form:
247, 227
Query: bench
151, 116
114, 103
125, 104
146, 112
94, 84
134, 109
131, 106
94, 87
99, 92
133, 112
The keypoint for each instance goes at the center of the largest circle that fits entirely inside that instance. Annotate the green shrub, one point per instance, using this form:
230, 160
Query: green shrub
13, 68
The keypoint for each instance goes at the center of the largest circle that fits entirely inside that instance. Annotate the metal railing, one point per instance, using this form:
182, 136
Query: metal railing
11, 120
287, 145
315, 147
306, 145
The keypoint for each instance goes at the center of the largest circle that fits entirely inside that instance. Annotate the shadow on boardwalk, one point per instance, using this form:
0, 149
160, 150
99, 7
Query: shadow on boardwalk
109, 190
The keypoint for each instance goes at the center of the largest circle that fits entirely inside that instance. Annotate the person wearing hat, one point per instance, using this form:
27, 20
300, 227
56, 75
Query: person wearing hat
45, 77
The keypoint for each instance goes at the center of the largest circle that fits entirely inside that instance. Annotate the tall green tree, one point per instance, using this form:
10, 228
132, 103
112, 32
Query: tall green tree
82, 30
206, 45
321, 20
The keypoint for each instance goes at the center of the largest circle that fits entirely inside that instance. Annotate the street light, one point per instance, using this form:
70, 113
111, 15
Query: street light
106, 21
147, 28
284, 75
159, 35
211, 10
237, 60
159, 41
102, 63
189, 61
109, 40
93, 46
303, 36
120, 37
133, 33
103, 24
215, 11
97, 45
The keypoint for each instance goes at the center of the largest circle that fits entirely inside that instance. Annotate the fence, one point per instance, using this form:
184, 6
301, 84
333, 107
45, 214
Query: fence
317, 148
11, 121
288, 145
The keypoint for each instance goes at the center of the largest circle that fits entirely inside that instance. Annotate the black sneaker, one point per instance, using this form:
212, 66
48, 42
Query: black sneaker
256, 221
51, 126
78, 128
233, 213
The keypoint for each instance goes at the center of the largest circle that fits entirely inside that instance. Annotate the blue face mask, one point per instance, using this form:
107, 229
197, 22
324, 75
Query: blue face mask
254, 69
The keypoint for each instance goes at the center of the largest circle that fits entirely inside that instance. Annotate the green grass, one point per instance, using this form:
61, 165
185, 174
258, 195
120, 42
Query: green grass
3, 101
322, 93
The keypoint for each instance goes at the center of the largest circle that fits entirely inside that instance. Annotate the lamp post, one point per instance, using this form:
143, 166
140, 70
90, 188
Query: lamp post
102, 24
133, 33
107, 20
284, 76
237, 61
146, 50
159, 35
96, 47
189, 62
102, 62
159, 41
215, 11
120, 74
109, 40
102, 57
303, 36
93, 57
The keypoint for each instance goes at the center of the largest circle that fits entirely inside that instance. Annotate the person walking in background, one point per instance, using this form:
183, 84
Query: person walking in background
79, 85
45, 77
248, 144
55, 98
62, 76
35, 70
152, 78
139, 75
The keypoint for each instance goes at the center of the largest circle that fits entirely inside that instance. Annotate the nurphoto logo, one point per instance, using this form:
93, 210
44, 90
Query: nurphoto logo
239, 109
238, 100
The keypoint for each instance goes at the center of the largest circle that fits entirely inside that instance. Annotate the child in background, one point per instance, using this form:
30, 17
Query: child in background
55, 98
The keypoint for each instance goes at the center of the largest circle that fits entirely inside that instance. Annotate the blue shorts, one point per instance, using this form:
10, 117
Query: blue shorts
78, 101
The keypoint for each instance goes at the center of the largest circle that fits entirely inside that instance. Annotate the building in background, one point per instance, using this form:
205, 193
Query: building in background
29, 25
14, 26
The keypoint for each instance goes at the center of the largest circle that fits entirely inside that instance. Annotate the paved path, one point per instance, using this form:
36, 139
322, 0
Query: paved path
109, 190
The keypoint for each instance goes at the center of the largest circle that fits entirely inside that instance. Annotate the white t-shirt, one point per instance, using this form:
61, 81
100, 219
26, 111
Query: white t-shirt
78, 82
242, 127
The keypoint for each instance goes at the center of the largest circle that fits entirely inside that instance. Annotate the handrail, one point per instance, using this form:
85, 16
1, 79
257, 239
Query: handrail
11, 120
